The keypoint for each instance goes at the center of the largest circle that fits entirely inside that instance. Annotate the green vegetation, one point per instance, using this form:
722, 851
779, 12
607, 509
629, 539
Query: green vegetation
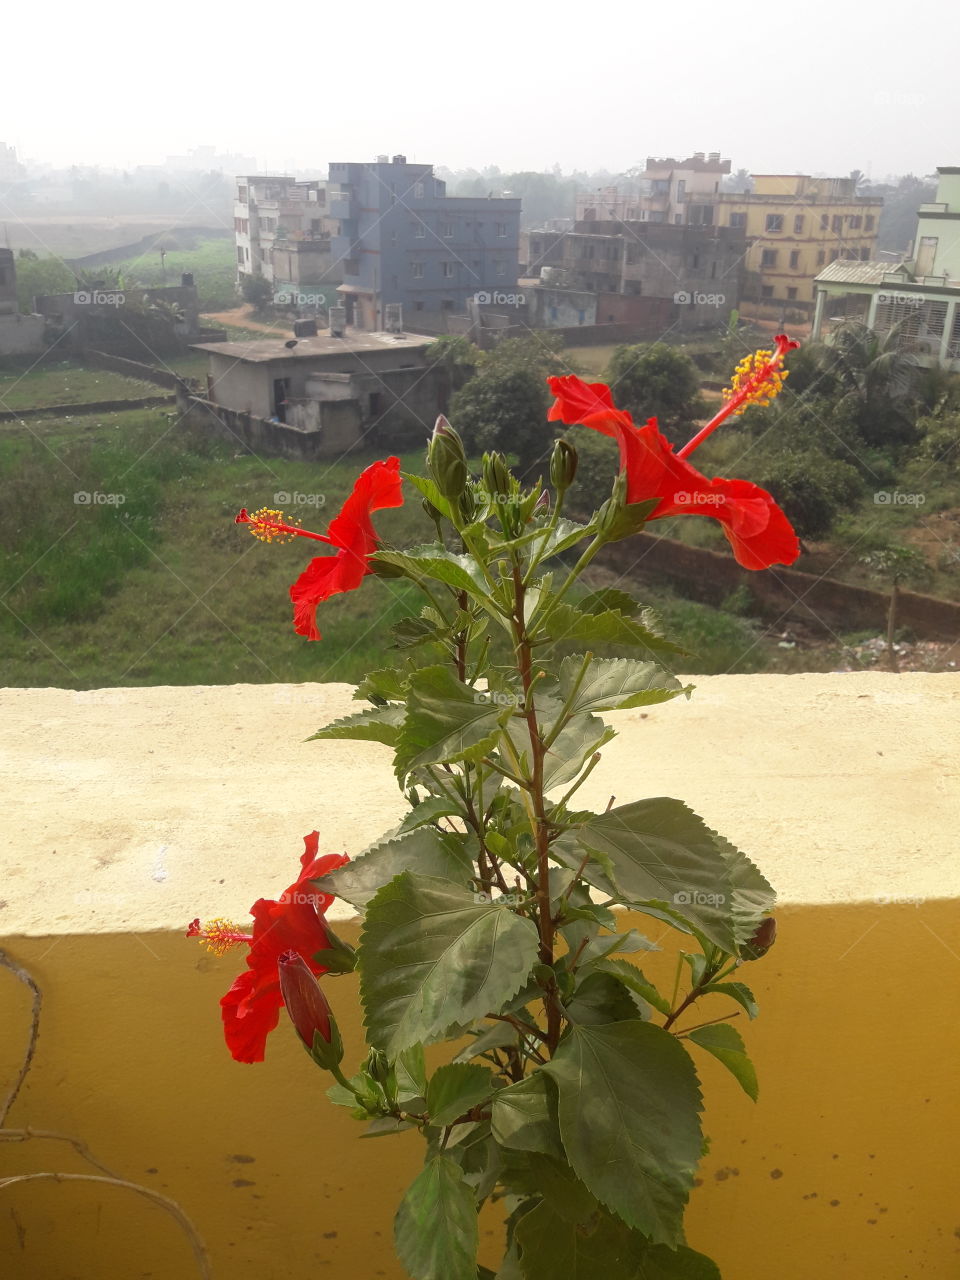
68, 382
212, 261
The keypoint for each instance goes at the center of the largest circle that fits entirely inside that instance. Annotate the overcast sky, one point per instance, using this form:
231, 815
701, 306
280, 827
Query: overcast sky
815, 87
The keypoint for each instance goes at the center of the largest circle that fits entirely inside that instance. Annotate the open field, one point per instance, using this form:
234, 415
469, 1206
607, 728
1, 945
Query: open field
74, 235
67, 383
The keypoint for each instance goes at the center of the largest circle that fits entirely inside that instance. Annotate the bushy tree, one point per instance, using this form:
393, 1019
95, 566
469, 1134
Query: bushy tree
874, 377
257, 290
654, 380
455, 359
813, 489
504, 409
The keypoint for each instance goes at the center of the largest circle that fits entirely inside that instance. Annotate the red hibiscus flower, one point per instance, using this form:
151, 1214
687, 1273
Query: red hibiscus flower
351, 532
294, 922
756, 528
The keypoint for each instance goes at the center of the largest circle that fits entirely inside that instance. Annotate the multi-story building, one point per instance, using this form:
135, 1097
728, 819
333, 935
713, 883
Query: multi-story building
795, 226
403, 240
679, 192
284, 233
697, 268
918, 298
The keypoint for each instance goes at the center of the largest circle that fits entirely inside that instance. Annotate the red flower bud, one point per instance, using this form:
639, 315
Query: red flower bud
309, 1010
762, 940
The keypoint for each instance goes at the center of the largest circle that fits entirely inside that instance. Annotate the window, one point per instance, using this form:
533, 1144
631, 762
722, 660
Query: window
834, 255
855, 220
821, 258
418, 306
242, 194
678, 219
501, 268
766, 291
239, 254
836, 224
501, 230
447, 270
695, 261
795, 259
417, 270
774, 222
738, 219
791, 294
446, 304
768, 258
681, 191
661, 187
419, 230
446, 230
418, 191
798, 225
868, 222
864, 254
824, 221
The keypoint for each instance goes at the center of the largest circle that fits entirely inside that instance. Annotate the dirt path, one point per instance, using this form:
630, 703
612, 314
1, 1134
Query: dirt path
241, 318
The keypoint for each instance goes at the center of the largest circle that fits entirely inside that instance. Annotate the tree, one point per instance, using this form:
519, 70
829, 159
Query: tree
258, 291
38, 276
812, 488
739, 183
656, 381
506, 410
894, 564
878, 380
455, 359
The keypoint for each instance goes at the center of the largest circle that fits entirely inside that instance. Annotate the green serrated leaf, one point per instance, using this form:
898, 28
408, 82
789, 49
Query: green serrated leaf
446, 721
657, 1262
568, 624
616, 683
554, 1246
634, 978
525, 1116
600, 998
438, 564
662, 852
434, 959
428, 811
411, 1071
752, 895
455, 1089
429, 491
494, 1037
629, 1121
726, 1045
436, 1229
426, 851
379, 724
388, 685
411, 632
736, 991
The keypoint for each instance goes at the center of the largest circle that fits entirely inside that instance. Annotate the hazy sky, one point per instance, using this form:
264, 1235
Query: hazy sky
815, 87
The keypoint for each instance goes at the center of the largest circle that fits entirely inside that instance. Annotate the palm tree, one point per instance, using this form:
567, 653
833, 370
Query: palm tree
859, 179
873, 376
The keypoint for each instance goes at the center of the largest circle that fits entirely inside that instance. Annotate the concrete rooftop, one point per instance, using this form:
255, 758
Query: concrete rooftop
262, 350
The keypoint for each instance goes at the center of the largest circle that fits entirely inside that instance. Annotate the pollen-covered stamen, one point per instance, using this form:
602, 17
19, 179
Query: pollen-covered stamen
268, 525
757, 379
219, 935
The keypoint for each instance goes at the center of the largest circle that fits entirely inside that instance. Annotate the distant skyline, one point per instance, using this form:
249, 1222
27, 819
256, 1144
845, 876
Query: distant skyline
817, 89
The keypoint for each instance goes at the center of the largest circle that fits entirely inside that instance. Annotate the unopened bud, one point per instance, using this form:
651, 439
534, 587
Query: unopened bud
563, 465
447, 460
610, 513
309, 1011
762, 940
496, 474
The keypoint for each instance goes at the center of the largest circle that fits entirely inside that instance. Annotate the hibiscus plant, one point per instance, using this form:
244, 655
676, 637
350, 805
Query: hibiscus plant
490, 913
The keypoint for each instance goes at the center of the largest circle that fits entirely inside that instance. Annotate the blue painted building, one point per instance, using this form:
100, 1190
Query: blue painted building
402, 239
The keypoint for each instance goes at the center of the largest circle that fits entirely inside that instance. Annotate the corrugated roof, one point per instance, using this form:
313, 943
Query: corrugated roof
873, 272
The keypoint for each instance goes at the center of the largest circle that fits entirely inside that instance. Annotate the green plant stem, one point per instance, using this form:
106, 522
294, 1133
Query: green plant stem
564, 717
571, 578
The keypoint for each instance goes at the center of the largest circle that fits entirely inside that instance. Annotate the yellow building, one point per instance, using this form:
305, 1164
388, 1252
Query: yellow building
796, 225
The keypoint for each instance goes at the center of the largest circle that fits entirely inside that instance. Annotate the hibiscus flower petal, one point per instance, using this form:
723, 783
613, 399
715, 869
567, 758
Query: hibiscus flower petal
250, 1010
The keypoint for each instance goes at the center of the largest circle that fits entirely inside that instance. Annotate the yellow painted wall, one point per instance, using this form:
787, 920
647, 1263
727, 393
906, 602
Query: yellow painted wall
793, 197
843, 1170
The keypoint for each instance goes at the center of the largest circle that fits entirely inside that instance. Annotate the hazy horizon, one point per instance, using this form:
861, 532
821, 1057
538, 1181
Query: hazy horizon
417, 87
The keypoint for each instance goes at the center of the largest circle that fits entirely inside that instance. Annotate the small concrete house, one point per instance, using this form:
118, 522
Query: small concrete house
340, 387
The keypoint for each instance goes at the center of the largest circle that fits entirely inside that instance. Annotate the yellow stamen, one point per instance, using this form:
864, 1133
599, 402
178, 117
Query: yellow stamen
266, 525
220, 936
759, 378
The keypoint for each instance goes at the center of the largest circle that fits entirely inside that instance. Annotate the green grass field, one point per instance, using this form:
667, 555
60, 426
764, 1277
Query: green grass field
162, 587
213, 262
67, 383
